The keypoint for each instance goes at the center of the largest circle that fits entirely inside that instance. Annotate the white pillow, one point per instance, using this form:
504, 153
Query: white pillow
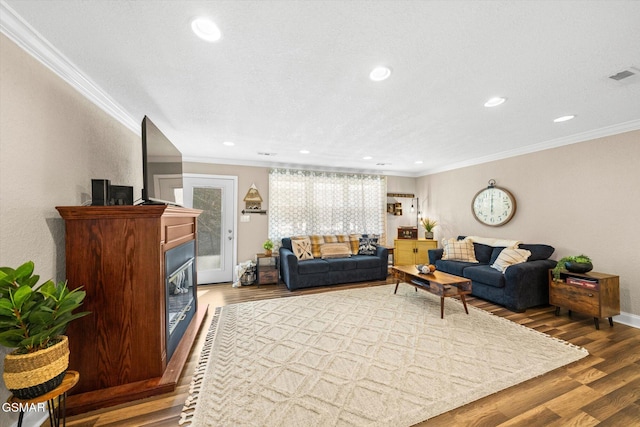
509, 257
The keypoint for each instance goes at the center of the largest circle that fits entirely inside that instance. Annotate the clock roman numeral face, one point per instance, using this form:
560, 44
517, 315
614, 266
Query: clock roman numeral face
493, 206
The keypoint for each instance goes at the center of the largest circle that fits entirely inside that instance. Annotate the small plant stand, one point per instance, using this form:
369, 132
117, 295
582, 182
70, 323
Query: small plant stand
56, 412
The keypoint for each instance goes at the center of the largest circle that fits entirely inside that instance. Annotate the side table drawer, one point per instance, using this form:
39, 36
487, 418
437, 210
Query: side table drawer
574, 298
268, 276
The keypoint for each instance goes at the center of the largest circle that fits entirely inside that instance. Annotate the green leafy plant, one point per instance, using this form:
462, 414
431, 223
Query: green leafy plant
429, 224
582, 259
31, 316
268, 245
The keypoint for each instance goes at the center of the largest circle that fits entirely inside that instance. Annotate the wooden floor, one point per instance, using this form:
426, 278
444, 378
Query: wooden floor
602, 389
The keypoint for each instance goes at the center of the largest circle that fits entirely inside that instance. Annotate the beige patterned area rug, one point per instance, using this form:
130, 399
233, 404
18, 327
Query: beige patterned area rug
359, 357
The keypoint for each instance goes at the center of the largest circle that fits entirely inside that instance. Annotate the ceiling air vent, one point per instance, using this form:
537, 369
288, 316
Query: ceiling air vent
625, 74
262, 153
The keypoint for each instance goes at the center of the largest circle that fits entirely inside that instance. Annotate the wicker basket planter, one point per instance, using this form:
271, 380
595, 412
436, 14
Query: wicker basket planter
33, 374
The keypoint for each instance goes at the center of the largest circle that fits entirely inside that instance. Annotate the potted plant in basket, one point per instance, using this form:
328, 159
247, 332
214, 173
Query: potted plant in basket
33, 320
429, 225
268, 247
575, 264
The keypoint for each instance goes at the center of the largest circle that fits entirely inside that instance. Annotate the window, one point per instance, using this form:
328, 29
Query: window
307, 202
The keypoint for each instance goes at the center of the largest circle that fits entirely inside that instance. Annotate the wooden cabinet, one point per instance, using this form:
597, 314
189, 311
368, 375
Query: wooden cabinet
117, 254
266, 269
412, 251
594, 294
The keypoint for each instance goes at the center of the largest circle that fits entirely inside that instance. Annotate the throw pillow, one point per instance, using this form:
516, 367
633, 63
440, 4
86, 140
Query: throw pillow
509, 257
458, 250
302, 248
330, 238
354, 242
335, 250
368, 246
538, 251
495, 254
316, 242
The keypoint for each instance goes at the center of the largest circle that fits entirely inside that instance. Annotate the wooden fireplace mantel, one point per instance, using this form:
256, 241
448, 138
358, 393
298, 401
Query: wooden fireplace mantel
116, 253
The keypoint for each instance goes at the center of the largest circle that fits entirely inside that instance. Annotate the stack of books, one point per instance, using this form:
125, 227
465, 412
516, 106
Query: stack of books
582, 282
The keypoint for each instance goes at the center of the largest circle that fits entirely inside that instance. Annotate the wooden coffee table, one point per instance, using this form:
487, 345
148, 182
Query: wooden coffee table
438, 283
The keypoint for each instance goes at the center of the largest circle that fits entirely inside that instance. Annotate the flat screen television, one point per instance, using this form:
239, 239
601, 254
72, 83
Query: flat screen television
161, 167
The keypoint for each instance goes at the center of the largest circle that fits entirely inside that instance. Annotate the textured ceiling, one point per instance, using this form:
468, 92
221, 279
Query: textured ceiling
292, 75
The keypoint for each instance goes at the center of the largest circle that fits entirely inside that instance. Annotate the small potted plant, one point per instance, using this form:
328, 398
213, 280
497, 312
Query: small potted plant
429, 225
268, 247
33, 320
575, 264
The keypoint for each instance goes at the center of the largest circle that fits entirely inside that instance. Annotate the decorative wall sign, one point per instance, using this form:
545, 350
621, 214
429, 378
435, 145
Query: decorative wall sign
253, 201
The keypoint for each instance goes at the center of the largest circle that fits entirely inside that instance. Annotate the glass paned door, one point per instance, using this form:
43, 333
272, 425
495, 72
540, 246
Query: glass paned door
216, 197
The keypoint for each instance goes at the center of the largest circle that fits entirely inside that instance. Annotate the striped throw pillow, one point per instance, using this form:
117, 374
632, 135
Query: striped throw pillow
509, 257
316, 243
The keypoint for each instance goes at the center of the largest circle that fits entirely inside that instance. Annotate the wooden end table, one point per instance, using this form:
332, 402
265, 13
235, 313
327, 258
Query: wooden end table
438, 283
55, 414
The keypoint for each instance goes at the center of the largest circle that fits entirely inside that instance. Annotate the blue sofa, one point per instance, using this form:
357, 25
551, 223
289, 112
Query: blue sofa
520, 287
298, 274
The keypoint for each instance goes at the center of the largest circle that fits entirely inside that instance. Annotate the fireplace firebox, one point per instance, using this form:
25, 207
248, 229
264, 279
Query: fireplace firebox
181, 298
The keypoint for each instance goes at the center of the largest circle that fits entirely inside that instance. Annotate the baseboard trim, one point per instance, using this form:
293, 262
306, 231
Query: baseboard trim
628, 319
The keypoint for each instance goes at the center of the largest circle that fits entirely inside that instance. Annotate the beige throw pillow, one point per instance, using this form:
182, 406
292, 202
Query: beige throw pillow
335, 250
458, 250
302, 248
509, 257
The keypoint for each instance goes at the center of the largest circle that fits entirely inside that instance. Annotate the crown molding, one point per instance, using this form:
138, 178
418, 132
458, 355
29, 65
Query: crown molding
533, 148
28, 39
300, 166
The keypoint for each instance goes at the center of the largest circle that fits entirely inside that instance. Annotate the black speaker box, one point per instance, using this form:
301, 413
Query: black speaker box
121, 195
100, 192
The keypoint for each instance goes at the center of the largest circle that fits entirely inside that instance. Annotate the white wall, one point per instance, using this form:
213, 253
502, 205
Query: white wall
52, 142
580, 198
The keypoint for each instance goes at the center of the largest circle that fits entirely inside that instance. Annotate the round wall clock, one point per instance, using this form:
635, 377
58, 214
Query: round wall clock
493, 206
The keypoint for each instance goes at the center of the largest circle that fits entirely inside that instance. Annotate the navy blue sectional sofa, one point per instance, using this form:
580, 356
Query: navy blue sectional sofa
520, 287
298, 274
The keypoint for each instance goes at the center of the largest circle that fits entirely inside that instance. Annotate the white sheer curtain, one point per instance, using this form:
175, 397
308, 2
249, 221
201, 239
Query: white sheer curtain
307, 202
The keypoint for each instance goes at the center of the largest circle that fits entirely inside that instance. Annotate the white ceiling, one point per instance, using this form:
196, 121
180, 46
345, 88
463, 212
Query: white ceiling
292, 75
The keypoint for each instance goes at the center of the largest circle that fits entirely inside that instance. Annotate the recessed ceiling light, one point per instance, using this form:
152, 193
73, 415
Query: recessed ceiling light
494, 102
563, 118
380, 73
228, 143
304, 151
367, 158
206, 29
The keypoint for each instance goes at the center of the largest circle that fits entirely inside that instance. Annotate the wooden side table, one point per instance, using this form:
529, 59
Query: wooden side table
267, 269
595, 294
55, 413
